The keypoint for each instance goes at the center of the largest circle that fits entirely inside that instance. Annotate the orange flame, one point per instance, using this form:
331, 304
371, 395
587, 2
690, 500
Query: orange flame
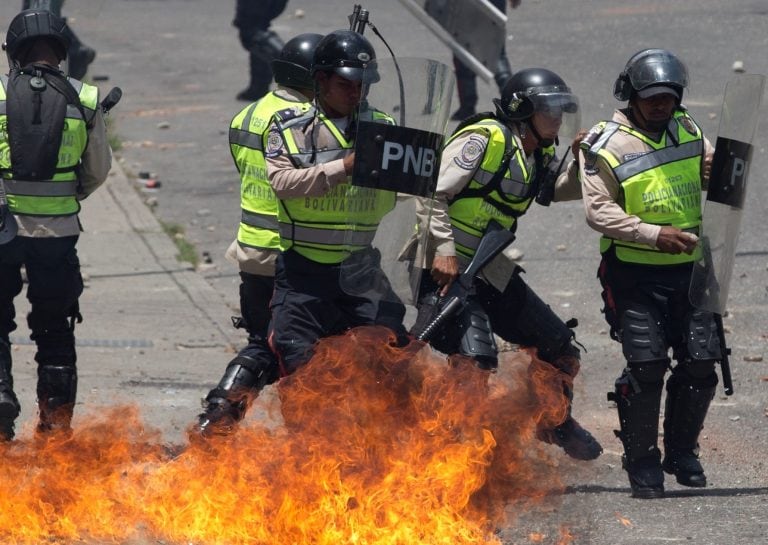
378, 445
625, 521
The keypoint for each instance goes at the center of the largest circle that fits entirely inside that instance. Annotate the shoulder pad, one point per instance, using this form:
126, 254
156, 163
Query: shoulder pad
598, 137
286, 114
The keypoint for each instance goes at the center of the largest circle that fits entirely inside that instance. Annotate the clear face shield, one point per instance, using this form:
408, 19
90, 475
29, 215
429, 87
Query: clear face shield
557, 117
658, 68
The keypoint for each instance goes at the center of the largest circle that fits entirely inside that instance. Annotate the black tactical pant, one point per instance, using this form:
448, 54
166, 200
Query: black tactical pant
648, 311
55, 285
517, 315
314, 300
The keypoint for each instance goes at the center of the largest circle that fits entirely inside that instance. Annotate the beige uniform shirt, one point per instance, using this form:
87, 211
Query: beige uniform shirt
256, 260
289, 181
96, 162
603, 198
460, 159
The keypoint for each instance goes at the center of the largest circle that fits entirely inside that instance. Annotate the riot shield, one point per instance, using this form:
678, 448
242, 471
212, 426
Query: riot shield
473, 29
400, 133
724, 205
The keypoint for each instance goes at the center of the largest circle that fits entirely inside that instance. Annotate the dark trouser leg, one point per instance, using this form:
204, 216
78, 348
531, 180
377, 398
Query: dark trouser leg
55, 285
254, 367
533, 323
638, 400
10, 287
577, 442
9, 404
263, 47
686, 407
466, 87
79, 56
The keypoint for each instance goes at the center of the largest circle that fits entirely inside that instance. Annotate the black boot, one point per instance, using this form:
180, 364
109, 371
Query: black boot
684, 413
9, 404
639, 405
227, 404
577, 442
56, 395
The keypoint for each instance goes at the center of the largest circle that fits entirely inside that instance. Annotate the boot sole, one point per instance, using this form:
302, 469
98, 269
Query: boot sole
648, 493
684, 479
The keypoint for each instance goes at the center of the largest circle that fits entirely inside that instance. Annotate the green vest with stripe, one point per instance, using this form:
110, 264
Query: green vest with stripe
472, 209
661, 187
58, 195
247, 139
328, 228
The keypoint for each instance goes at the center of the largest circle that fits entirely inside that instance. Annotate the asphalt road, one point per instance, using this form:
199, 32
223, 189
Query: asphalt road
180, 65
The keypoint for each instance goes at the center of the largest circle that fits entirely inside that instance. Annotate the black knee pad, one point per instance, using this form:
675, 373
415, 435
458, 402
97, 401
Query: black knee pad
703, 341
642, 337
477, 340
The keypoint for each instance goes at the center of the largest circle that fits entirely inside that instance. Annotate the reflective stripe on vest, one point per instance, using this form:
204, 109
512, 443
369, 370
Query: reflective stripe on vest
470, 215
258, 219
661, 187
55, 197
327, 228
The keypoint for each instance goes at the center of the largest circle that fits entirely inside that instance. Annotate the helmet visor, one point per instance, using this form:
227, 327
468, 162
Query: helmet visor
658, 68
555, 103
366, 74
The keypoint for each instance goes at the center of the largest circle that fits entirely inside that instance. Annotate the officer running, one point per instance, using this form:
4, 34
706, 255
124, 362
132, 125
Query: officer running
643, 173
326, 224
258, 241
53, 154
492, 169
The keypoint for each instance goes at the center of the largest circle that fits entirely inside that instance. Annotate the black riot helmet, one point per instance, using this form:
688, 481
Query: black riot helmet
649, 72
535, 90
348, 54
292, 67
35, 24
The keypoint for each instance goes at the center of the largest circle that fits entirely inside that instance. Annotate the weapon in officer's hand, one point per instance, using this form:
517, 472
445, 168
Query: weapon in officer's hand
546, 190
495, 240
707, 263
111, 100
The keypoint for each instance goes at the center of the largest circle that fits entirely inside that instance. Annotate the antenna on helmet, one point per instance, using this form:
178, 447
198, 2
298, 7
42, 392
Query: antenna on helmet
358, 20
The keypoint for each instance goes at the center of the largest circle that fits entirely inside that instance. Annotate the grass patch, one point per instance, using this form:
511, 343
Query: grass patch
187, 252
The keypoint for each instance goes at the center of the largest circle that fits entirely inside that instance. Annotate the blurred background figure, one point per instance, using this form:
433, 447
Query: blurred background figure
466, 80
79, 55
252, 19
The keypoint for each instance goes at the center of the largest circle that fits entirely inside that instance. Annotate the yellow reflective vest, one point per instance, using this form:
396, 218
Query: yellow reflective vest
477, 204
247, 140
661, 187
57, 196
328, 228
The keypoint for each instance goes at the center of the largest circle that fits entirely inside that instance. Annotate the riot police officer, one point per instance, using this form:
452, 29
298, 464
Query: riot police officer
253, 19
643, 172
492, 169
46, 172
310, 158
258, 241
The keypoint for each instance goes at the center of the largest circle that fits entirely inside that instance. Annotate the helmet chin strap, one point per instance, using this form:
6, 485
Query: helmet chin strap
542, 142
